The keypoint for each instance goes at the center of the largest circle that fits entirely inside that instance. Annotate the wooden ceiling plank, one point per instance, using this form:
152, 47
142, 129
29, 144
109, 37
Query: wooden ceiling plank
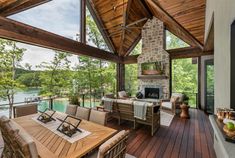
20, 32
172, 24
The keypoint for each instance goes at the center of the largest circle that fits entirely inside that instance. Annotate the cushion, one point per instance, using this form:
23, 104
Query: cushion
26, 144
98, 117
83, 113
167, 105
124, 101
26, 109
122, 94
180, 95
174, 99
111, 142
71, 109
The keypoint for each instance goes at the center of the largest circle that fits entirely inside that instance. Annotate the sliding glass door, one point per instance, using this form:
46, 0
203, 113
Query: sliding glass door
209, 86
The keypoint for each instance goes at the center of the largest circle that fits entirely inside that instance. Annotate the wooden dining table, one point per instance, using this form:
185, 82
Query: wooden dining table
50, 145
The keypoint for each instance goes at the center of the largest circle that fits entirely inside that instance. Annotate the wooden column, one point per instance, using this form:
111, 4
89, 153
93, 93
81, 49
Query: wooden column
120, 77
199, 63
83, 22
170, 77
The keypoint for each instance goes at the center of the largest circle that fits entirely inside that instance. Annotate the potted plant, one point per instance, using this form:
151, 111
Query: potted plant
185, 99
74, 99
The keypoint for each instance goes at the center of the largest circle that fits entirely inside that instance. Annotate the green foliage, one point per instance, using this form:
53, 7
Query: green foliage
131, 82
184, 78
137, 49
56, 77
10, 56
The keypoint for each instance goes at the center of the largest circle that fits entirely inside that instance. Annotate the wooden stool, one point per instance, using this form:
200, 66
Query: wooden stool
184, 111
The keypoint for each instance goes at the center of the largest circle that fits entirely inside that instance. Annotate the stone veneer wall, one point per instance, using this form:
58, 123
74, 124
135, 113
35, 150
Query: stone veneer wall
152, 50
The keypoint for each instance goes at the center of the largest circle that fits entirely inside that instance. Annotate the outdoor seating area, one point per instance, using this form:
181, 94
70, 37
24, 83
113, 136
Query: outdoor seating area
117, 78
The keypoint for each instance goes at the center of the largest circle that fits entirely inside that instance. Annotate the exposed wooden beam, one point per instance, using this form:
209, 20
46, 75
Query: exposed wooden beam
19, 6
125, 18
130, 59
172, 25
17, 31
188, 52
100, 26
83, 22
120, 77
145, 8
133, 45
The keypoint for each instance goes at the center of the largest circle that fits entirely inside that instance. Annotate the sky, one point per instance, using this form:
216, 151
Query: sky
61, 17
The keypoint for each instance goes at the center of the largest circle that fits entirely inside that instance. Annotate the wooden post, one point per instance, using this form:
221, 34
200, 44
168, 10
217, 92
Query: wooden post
83, 22
120, 77
199, 84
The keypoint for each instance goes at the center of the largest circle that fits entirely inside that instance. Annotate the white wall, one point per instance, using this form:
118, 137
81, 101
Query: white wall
224, 15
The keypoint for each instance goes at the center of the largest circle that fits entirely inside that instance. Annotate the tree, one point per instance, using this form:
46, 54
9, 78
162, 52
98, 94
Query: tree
55, 78
173, 42
10, 57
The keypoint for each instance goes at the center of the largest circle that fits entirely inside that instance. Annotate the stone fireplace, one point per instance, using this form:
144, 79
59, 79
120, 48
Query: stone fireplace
153, 51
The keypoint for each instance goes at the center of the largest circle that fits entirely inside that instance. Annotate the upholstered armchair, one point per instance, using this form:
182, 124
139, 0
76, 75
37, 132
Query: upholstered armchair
170, 105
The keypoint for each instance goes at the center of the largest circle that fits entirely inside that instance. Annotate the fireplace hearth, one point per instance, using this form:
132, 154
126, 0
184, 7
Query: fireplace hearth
152, 93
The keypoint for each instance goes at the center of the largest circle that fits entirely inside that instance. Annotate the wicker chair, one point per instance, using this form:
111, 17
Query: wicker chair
170, 105
26, 109
83, 113
98, 117
115, 147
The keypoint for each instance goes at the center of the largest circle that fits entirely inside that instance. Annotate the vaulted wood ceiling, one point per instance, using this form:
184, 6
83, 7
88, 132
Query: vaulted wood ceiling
120, 21
184, 18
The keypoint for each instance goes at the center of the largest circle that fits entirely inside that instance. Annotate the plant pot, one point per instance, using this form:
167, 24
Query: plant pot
151, 72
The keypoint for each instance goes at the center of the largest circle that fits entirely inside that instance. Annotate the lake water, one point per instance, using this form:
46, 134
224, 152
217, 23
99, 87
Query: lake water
58, 104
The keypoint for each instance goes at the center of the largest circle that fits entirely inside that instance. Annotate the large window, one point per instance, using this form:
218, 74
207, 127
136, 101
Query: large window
173, 42
93, 35
185, 79
61, 17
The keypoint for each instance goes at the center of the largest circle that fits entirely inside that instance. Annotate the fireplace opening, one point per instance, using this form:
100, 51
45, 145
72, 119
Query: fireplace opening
152, 93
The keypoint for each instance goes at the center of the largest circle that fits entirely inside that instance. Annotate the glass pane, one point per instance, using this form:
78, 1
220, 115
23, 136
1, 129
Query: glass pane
173, 41
93, 35
61, 17
185, 79
138, 48
131, 82
210, 88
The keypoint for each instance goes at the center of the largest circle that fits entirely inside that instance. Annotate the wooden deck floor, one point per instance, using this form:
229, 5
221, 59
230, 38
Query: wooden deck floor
184, 138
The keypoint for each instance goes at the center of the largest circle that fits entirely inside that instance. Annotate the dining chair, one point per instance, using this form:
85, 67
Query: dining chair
71, 109
25, 109
98, 117
17, 143
114, 147
83, 113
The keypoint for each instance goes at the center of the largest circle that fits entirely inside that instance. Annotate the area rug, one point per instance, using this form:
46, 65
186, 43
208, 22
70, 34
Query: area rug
166, 118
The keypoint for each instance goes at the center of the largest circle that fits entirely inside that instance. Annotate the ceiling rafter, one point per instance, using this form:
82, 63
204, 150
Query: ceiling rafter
125, 19
172, 25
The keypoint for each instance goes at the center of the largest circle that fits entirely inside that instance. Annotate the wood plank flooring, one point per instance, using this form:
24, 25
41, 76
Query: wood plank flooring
192, 138
183, 139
